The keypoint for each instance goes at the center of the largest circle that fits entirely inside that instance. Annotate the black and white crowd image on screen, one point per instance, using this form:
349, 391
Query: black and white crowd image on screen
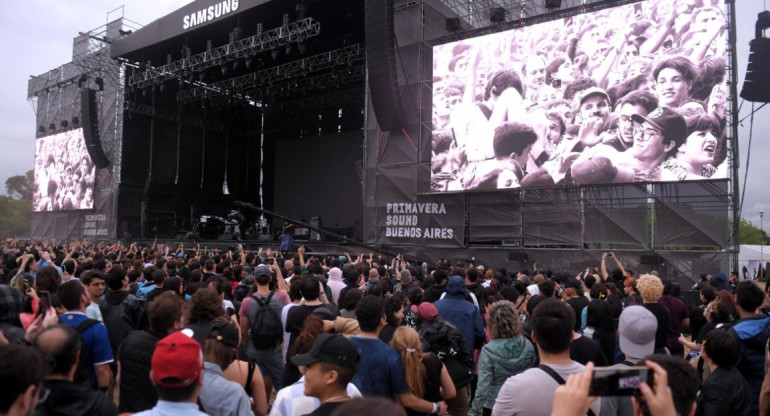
634, 93
64, 173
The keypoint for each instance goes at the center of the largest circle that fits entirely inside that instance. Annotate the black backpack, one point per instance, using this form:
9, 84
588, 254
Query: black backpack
84, 371
266, 327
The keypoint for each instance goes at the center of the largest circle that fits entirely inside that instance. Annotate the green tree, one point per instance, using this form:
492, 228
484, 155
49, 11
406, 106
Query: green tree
748, 233
14, 216
20, 186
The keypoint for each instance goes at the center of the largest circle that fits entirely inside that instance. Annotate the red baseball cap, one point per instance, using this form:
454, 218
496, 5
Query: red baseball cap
177, 361
427, 310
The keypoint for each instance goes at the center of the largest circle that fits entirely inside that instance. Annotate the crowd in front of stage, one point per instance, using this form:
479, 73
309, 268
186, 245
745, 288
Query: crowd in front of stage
105, 329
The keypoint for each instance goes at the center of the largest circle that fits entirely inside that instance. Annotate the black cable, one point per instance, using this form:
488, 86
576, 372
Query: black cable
748, 157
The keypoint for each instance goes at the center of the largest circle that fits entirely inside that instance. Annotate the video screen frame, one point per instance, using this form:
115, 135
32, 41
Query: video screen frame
64, 173
561, 103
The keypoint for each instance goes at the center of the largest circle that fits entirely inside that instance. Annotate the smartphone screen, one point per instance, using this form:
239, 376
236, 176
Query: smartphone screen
45, 302
619, 381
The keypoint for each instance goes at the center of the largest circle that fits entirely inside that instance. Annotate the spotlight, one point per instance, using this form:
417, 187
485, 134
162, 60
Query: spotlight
65, 124
247, 62
288, 49
301, 48
100, 82
201, 76
41, 129
496, 15
52, 127
162, 86
75, 121
82, 80
274, 54
224, 70
301, 11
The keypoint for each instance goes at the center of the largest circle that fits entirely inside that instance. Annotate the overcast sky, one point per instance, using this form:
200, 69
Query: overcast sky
37, 37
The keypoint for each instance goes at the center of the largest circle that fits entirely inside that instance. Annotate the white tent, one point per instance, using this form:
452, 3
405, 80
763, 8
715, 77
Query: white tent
750, 257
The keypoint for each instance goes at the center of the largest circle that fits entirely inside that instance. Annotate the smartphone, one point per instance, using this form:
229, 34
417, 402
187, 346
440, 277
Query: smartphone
623, 381
556, 83
45, 302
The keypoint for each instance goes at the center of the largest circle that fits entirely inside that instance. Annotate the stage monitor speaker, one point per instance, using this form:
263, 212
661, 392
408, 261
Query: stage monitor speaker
453, 24
496, 15
652, 259
381, 64
90, 117
756, 86
552, 4
520, 257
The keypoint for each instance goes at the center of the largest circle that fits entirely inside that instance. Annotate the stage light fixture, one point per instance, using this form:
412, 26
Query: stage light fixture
223, 68
496, 15
162, 86
82, 80
452, 24
41, 129
301, 11
52, 127
301, 48
75, 121
274, 54
248, 61
552, 4
65, 124
100, 82
201, 76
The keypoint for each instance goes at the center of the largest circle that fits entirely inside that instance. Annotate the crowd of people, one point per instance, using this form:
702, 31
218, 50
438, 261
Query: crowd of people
64, 173
105, 329
634, 93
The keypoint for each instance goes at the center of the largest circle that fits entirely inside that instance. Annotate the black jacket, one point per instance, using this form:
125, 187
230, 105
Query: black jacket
725, 392
433, 293
121, 312
70, 399
447, 343
135, 356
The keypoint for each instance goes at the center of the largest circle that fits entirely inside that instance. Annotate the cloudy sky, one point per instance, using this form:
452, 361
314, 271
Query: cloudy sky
37, 37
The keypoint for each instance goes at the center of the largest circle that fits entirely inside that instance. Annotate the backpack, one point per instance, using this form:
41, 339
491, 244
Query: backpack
266, 327
83, 372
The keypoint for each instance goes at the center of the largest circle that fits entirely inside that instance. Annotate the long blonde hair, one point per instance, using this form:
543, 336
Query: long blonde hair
407, 342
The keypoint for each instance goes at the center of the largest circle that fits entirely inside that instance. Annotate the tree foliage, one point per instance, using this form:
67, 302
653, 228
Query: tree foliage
748, 233
20, 186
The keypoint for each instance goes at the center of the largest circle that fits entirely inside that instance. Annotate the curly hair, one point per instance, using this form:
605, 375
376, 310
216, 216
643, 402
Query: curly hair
312, 326
204, 305
650, 287
503, 320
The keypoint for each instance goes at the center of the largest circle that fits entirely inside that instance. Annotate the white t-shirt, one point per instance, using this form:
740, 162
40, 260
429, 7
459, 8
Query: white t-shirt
531, 393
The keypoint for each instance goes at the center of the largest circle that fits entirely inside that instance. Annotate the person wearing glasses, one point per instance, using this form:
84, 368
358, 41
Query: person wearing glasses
657, 137
59, 393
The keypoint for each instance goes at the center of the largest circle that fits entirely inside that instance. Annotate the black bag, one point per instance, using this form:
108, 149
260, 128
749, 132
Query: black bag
266, 327
83, 372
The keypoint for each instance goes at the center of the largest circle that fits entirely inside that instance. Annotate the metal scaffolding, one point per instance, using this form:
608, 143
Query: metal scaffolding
291, 32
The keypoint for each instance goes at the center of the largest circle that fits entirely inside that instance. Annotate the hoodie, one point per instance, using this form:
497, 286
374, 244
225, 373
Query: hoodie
121, 312
500, 359
335, 282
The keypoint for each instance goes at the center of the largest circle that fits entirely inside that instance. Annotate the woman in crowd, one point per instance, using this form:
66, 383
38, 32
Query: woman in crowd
695, 157
394, 315
632, 293
600, 328
218, 395
426, 375
508, 353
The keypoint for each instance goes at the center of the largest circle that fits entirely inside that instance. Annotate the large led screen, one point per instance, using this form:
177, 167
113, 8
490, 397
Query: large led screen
634, 93
64, 173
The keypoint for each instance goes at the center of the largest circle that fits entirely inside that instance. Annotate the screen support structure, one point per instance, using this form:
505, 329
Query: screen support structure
732, 117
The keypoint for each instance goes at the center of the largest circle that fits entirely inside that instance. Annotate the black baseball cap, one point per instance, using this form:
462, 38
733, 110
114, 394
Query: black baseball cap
669, 122
332, 349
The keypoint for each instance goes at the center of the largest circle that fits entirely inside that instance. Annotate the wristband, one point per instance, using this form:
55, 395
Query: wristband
436, 408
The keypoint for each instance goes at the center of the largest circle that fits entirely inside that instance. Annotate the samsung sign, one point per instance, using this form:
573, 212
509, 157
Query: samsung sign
210, 13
